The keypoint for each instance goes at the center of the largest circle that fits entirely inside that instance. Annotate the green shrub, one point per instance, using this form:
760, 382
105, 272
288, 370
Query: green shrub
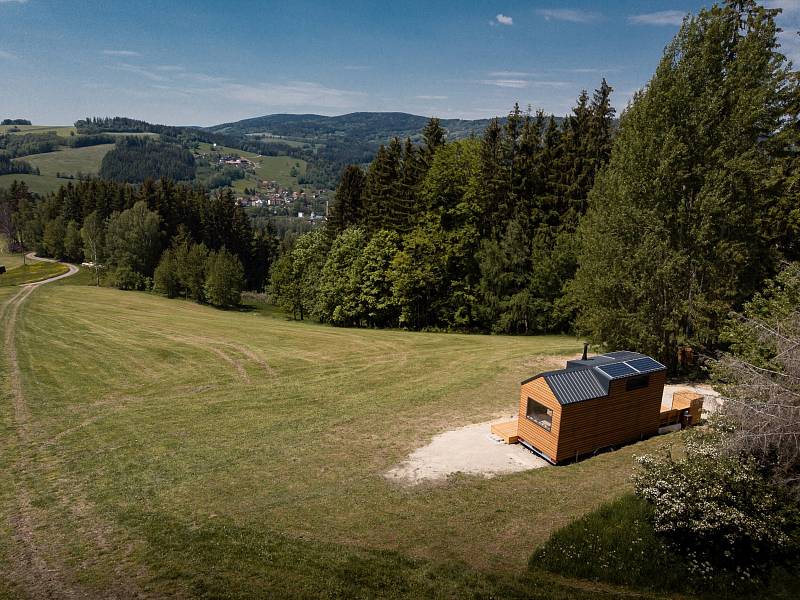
721, 511
125, 278
224, 279
165, 278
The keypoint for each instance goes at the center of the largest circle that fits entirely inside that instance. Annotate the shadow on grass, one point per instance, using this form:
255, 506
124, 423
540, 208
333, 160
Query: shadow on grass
617, 544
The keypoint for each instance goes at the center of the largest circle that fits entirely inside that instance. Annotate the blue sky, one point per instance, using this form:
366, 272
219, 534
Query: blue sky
205, 62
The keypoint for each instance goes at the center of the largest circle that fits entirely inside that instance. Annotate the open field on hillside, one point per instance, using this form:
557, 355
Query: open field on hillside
232, 454
33, 271
39, 184
273, 168
70, 161
10, 261
62, 130
278, 168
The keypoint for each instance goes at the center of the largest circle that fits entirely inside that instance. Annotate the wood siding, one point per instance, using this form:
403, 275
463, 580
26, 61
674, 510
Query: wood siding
537, 436
622, 416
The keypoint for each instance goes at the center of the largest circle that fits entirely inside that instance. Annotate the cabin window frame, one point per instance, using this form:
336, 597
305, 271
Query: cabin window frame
546, 414
637, 383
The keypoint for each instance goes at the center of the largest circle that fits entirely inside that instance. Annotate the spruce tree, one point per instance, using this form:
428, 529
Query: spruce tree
678, 229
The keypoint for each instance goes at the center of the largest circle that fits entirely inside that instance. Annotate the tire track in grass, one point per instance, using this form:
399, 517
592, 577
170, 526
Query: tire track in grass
41, 576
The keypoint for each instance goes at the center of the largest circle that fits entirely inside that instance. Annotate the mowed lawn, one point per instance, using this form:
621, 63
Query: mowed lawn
231, 454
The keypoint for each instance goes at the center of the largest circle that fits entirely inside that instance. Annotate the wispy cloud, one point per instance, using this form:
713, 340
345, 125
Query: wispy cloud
427, 97
356, 67
662, 17
568, 14
504, 19
138, 70
120, 53
169, 68
5, 55
506, 83
509, 74
13, 1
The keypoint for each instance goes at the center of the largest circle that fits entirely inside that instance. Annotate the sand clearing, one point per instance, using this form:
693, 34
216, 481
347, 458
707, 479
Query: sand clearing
471, 449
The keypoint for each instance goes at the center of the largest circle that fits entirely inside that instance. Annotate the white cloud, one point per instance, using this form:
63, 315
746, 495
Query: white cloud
356, 67
137, 70
568, 14
427, 97
662, 17
506, 83
5, 55
509, 74
16, 1
120, 53
504, 19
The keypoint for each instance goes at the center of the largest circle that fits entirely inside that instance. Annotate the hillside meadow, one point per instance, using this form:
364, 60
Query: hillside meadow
169, 448
70, 161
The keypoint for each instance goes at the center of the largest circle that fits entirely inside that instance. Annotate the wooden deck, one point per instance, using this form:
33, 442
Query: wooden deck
507, 431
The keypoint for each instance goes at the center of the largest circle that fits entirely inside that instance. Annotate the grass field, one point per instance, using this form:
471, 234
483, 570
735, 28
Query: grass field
9, 260
168, 447
33, 271
273, 168
70, 161
39, 184
62, 130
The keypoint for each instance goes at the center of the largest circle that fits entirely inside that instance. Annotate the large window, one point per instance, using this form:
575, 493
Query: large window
540, 414
637, 383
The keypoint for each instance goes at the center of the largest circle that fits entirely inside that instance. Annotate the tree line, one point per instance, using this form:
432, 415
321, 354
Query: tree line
475, 234
135, 159
126, 231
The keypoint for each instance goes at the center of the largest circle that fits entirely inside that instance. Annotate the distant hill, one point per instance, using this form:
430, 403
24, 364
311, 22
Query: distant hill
363, 126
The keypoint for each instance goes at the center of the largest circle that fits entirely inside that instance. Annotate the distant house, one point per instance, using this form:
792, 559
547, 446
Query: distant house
593, 403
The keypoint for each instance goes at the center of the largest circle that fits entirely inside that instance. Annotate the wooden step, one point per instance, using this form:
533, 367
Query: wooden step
507, 431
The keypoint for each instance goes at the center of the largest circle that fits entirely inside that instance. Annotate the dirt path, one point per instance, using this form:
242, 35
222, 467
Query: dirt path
37, 573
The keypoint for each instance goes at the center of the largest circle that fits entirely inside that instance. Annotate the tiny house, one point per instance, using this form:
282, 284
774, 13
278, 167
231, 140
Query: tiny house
593, 403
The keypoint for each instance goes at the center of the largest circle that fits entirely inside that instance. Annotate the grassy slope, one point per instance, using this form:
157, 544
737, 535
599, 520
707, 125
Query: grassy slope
273, 168
70, 161
39, 184
62, 130
31, 272
67, 161
10, 261
235, 454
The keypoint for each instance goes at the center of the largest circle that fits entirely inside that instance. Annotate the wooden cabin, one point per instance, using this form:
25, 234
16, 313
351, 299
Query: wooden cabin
593, 403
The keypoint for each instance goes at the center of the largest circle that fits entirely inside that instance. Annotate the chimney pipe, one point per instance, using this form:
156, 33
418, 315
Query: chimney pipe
585, 348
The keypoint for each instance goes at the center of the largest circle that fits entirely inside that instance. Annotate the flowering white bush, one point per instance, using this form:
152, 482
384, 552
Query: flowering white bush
720, 511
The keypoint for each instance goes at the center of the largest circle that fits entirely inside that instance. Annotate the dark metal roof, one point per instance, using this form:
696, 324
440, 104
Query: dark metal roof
588, 379
575, 385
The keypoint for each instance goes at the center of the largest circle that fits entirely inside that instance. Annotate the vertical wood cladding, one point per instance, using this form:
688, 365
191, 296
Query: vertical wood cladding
582, 427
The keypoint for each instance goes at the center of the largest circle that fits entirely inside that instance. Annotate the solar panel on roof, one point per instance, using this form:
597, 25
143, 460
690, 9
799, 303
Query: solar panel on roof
617, 370
646, 365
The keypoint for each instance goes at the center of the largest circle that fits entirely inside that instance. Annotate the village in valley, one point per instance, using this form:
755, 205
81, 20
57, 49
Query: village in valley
267, 196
